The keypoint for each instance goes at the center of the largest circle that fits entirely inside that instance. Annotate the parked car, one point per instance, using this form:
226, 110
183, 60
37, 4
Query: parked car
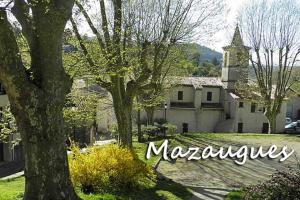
288, 121
293, 127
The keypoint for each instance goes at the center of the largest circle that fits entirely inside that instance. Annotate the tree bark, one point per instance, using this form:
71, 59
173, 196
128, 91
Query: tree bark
272, 122
272, 125
46, 164
37, 96
150, 115
139, 126
123, 112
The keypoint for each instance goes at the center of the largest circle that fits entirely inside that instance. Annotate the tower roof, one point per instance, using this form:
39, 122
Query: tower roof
237, 39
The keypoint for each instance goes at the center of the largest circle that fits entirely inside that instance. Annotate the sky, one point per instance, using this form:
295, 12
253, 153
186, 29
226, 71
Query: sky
223, 37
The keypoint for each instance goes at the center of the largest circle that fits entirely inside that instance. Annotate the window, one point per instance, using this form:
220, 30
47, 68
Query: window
180, 95
228, 116
209, 96
241, 104
253, 107
185, 127
240, 127
265, 128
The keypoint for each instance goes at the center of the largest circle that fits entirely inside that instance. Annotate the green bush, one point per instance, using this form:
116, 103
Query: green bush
170, 129
113, 129
107, 169
150, 129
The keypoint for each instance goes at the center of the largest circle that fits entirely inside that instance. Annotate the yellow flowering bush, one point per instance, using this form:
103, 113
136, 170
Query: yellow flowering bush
108, 168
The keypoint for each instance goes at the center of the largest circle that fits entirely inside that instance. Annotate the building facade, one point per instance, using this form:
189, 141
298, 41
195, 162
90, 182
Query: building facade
210, 104
9, 151
293, 108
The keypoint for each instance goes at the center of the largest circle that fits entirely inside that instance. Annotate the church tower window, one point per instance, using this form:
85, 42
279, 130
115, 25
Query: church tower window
225, 59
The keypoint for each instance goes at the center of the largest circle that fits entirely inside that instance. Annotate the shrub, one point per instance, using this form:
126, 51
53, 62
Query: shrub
171, 128
282, 185
160, 121
150, 130
106, 169
113, 129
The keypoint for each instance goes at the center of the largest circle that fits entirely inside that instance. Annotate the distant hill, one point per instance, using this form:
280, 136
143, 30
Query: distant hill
207, 54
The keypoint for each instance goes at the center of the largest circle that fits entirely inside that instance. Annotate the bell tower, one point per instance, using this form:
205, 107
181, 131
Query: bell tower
235, 61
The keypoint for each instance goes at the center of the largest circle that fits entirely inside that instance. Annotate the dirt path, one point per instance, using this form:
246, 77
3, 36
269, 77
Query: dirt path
214, 178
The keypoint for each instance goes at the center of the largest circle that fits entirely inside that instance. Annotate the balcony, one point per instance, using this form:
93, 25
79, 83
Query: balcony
182, 105
217, 106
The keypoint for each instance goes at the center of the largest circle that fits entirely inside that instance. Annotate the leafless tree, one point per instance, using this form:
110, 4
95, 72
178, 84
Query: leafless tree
272, 30
134, 39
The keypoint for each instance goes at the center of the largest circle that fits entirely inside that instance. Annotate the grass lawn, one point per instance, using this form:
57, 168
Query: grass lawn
234, 195
164, 190
141, 148
12, 189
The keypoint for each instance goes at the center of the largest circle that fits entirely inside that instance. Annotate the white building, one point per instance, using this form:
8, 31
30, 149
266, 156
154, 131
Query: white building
205, 104
8, 150
293, 108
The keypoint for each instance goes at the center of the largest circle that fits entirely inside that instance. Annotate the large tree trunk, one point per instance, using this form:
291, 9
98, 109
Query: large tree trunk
123, 112
40, 119
46, 165
124, 120
37, 96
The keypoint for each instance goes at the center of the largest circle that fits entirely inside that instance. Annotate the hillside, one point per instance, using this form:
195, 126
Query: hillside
207, 54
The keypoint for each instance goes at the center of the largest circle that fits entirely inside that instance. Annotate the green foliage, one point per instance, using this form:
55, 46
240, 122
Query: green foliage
170, 128
8, 125
249, 91
150, 129
234, 195
204, 60
108, 168
113, 129
209, 69
74, 62
80, 109
295, 78
176, 64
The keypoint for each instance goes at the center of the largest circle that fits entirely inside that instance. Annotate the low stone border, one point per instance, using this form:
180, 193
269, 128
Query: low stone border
13, 176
